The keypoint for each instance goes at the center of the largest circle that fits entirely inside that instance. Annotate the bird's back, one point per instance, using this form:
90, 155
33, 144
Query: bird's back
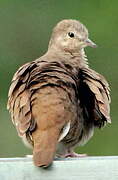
42, 100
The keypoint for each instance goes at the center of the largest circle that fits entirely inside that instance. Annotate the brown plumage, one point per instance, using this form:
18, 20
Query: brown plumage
56, 101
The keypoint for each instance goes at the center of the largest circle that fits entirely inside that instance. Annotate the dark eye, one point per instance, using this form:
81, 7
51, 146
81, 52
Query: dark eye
71, 34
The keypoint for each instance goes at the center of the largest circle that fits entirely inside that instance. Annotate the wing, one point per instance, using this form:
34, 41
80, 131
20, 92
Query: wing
26, 81
19, 100
94, 96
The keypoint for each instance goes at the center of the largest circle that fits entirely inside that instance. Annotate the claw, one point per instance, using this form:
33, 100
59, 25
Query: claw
73, 154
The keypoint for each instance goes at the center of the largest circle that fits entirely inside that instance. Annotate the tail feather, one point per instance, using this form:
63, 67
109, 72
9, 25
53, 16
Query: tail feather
45, 143
51, 111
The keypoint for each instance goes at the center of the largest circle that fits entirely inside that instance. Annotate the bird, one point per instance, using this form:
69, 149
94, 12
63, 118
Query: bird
57, 100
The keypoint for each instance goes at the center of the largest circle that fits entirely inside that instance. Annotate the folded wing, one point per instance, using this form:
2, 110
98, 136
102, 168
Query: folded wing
94, 96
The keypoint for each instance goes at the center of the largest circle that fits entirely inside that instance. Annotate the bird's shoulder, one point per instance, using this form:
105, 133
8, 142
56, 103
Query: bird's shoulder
91, 76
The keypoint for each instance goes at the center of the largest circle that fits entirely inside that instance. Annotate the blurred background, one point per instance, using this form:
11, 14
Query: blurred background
25, 29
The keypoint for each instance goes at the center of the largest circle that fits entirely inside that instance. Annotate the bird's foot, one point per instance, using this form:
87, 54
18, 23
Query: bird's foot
74, 155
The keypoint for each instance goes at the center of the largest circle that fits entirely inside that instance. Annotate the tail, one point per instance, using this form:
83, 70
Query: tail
50, 116
45, 143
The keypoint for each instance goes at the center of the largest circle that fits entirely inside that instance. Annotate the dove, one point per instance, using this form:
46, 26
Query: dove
57, 100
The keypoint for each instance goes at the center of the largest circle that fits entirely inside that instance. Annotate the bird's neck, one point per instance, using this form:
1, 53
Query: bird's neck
76, 59
80, 58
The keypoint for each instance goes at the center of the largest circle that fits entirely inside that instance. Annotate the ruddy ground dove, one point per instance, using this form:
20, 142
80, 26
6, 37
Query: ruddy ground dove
56, 101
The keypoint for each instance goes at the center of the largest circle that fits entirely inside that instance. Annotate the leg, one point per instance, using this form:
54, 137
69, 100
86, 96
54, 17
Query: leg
74, 155
64, 152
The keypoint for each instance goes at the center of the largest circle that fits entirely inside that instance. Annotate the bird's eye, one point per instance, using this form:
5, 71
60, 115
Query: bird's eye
71, 34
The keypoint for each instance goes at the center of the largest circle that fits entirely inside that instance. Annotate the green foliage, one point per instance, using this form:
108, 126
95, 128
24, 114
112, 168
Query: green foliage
25, 28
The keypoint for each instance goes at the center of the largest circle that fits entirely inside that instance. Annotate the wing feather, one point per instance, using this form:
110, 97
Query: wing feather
19, 100
99, 87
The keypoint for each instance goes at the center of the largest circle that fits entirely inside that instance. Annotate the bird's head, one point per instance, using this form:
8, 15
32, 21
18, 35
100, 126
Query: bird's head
70, 35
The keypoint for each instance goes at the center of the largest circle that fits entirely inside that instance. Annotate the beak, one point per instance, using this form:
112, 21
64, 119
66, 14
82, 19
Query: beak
90, 43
